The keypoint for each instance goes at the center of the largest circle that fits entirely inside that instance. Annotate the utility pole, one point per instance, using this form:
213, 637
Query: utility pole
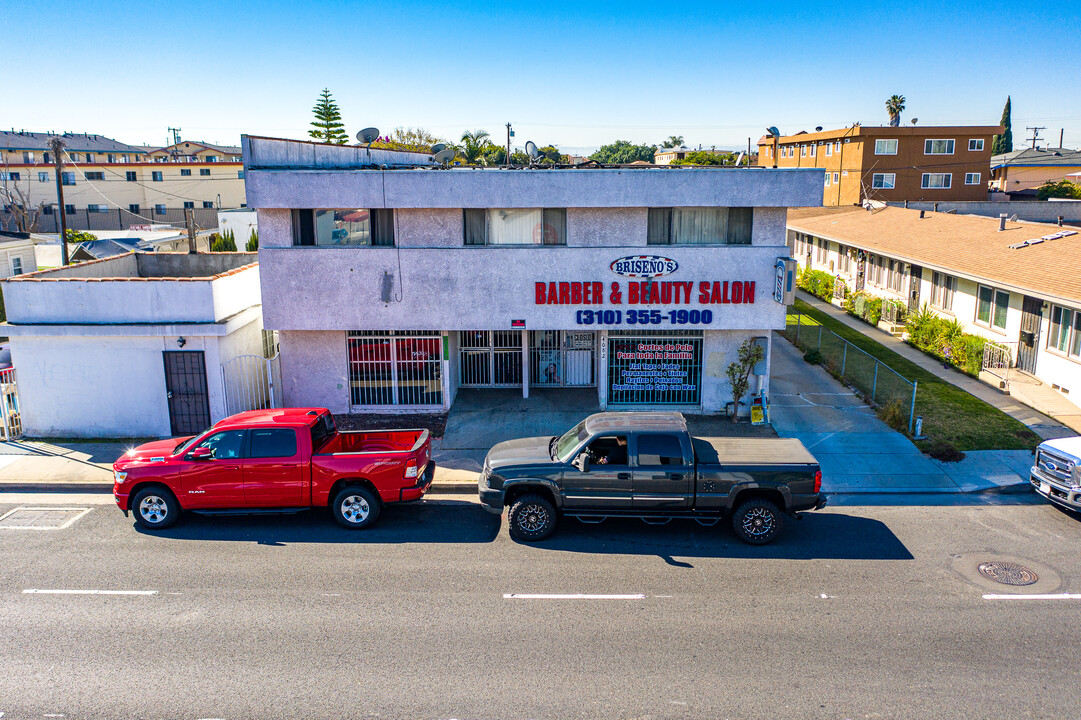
176, 134
1035, 134
510, 134
189, 220
748, 152
56, 145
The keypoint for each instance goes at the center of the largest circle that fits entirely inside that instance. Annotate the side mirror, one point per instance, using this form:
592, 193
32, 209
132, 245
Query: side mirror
201, 453
582, 462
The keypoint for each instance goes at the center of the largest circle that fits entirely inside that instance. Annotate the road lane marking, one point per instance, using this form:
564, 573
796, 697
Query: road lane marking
1058, 596
79, 512
36, 591
570, 596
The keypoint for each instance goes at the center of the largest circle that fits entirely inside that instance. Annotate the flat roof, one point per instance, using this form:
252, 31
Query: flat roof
886, 131
966, 245
147, 266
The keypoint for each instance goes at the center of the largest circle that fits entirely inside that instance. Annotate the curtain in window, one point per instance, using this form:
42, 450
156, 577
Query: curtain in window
515, 227
474, 222
1002, 305
1075, 339
983, 305
658, 231
699, 226
740, 220
554, 231
382, 222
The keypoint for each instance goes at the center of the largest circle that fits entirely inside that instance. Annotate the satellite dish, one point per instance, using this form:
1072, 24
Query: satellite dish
531, 150
818, 129
443, 157
915, 120
368, 135
774, 132
438, 147
739, 159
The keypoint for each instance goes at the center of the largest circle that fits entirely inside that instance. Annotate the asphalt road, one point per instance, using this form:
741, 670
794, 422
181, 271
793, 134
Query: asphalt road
856, 612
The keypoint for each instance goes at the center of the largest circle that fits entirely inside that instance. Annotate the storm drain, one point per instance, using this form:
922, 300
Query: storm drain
29, 518
1007, 573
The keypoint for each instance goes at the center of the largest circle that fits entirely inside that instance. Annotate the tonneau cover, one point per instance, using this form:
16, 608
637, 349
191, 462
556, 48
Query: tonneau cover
751, 451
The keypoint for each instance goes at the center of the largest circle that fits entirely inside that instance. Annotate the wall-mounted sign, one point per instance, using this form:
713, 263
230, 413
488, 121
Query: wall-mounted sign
517, 323
644, 266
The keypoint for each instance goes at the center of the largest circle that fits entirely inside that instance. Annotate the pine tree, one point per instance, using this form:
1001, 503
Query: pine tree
226, 242
253, 241
328, 121
1004, 143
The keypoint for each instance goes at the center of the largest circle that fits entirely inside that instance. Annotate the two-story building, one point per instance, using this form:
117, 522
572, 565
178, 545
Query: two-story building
1029, 168
394, 282
889, 163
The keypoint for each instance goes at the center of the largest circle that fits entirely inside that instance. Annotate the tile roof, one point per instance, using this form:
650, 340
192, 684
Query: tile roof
79, 142
965, 245
1038, 157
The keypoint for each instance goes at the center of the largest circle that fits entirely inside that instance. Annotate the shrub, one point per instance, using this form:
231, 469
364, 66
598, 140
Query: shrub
813, 356
946, 340
817, 282
225, 243
893, 414
945, 452
253, 242
866, 307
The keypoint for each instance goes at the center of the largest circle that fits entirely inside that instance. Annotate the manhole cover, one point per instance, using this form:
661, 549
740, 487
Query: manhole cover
1007, 573
24, 518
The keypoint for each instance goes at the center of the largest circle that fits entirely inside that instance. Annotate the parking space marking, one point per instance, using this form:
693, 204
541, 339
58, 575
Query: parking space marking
78, 513
570, 596
1045, 596
36, 591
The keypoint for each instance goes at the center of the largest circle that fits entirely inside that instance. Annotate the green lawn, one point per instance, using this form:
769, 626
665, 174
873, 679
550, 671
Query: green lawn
949, 413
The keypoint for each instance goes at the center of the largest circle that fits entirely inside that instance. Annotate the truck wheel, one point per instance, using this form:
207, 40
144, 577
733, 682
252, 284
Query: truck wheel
757, 521
531, 518
155, 508
355, 507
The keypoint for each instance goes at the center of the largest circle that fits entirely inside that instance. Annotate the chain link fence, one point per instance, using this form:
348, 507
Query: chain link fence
879, 383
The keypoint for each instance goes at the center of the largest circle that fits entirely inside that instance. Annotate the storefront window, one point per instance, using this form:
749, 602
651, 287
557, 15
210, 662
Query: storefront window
516, 226
395, 368
659, 368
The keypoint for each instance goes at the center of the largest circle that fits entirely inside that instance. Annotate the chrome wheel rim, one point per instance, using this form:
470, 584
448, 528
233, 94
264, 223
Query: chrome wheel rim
532, 518
355, 509
153, 509
758, 522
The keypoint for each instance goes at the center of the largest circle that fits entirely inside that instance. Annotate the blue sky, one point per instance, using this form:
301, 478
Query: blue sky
576, 74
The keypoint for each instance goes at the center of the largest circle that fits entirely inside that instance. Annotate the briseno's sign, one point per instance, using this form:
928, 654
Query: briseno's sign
644, 266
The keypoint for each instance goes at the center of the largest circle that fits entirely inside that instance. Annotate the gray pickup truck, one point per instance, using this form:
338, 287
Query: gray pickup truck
646, 465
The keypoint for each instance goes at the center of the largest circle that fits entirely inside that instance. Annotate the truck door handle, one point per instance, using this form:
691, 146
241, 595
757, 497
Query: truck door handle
623, 476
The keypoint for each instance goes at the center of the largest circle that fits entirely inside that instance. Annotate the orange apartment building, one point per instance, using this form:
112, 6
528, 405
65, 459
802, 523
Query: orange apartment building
890, 163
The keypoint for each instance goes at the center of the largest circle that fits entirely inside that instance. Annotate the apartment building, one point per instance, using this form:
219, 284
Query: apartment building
1015, 283
109, 185
889, 163
393, 283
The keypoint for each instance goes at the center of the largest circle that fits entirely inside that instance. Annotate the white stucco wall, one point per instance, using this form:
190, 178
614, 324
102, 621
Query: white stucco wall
315, 369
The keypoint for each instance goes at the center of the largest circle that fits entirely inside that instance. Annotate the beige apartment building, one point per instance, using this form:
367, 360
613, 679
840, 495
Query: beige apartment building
109, 185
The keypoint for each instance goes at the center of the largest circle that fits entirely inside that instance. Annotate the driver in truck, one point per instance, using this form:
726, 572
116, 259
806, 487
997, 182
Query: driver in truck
610, 451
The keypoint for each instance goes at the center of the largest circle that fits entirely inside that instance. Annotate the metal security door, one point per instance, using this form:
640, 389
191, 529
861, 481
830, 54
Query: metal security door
559, 358
490, 358
915, 275
185, 386
1029, 339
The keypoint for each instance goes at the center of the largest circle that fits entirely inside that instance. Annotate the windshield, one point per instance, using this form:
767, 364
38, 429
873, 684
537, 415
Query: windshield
570, 440
183, 447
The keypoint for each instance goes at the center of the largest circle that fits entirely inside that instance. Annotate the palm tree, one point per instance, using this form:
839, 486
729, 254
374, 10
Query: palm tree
473, 145
894, 106
673, 141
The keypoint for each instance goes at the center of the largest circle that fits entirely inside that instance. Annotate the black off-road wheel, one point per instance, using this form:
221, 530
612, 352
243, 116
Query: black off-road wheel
757, 521
155, 508
356, 507
531, 518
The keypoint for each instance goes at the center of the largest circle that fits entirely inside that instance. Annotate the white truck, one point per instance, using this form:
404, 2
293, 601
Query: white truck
1056, 473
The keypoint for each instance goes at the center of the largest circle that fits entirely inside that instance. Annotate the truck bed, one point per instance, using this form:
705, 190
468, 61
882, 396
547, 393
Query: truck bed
374, 441
751, 451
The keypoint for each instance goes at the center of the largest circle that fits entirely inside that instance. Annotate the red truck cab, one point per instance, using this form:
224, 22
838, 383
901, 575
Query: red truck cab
282, 460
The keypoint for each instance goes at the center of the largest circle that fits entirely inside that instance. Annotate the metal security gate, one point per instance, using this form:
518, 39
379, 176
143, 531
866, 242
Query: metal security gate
562, 358
1029, 340
249, 383
655, 368
395, 367
490, 358
11, 426
185, 386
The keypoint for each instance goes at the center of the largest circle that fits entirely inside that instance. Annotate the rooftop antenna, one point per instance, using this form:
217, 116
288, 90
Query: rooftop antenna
443, 157
176, 134
774, 133
531, 151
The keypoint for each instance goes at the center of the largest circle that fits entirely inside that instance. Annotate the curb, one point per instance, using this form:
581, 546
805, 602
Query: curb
438, 488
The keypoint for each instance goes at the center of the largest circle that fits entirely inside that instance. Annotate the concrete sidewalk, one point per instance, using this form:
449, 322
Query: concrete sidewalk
861, 454
1046, 413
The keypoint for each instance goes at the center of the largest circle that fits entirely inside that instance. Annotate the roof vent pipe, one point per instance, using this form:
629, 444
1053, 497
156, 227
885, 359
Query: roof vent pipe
936, 207
921, 214
1060, 221
1001, 222
906, 204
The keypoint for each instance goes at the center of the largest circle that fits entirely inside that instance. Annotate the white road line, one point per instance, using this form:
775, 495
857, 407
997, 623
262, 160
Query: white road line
1059, 596
79, 510
35, 591
570, 596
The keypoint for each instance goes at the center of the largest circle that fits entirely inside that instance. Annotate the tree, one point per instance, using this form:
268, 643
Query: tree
622, 152
673, 141
749, 354
494, 155
22, 212
328, 121
225, 243
473, 145
253, 241
79, 236
1004, 143
894, 106
409, 139
703, 157
550, 155
1061, 189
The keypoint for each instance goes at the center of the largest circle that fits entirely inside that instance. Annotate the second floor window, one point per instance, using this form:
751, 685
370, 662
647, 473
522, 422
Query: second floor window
975, 144
94, 175
43, 177
155, 175
67, 178
938, 147
129, 176
204, 171
885, 147
97, 208
883, 181
184, 172
515, 226
189, 205
344, 226
936, 181
700, 226
972, 178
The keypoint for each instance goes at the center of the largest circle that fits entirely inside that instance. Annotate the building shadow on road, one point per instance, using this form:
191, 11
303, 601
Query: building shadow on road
825, 536
447, 522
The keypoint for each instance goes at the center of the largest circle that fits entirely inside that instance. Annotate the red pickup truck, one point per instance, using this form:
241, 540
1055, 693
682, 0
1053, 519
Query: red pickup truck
274, 461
